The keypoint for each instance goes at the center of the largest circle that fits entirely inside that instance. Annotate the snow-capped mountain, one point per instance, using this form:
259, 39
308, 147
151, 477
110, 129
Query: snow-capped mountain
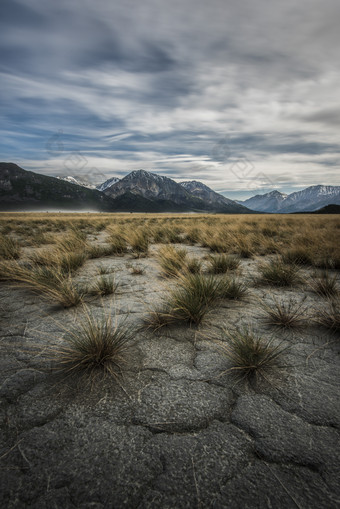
309, 199
312, 198
207, 194
174, 196
269, 202
77, 181
108, 183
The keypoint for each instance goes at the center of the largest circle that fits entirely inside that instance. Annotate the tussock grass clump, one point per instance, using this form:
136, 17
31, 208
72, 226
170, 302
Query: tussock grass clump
244, 247
172, 260
139, 241
49, 282
223, 263
299, 256
329, 317
158, 318
65, 261
215, 243
278, 273
95, 345
233, 289
324, 284
117, 240
105, 285
9, 248
285, 314
193, 265
73, 241
252, 357
72, 261
193, 297
39, 238
95, 251
105, 269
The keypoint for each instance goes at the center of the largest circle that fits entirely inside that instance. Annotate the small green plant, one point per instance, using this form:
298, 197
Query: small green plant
324, 284
286, 314
233, 289
105, 269
106, 285
278, 273
157, 318
329, 317
222, 263
9, 248
96, 345
252, 357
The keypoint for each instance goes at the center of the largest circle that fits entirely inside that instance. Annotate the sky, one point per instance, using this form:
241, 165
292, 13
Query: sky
242, 95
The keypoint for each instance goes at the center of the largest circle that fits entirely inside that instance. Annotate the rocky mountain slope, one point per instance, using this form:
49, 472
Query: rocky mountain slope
309, 199
77, 181
209, 196
108, 183
164, 190
21, 189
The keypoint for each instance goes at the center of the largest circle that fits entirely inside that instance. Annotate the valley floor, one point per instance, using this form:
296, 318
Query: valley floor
175, 429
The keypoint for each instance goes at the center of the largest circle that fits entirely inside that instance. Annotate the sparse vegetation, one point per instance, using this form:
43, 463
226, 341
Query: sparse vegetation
324, 284
9, 248
285, 314
96, 345
172, 260
139, 241
233, 289
299, 256
50, 282
251, 356
193, 297
329, 316
278, 273
105, 285
222, 263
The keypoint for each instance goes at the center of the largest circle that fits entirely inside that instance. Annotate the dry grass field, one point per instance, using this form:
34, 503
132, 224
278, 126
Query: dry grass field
170, 361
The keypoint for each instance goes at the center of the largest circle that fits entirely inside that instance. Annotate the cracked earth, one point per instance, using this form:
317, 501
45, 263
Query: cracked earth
175, 431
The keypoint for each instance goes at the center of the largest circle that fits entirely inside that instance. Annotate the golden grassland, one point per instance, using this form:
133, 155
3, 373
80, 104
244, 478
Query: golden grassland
42, 252
304, 239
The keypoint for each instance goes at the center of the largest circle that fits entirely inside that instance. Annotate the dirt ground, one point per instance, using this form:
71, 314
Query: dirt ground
175, 430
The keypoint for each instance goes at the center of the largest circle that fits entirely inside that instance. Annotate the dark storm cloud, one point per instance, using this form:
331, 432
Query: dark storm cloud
186, 88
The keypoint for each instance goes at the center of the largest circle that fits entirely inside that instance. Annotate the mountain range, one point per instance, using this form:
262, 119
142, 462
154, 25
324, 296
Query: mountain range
308, 200
142, 191
139, 191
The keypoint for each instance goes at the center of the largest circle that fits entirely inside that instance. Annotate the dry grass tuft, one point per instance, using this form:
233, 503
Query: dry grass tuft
324, 284
172, 260
252, 357
278, 273
329, 317
9, 248
285, 314
96, 345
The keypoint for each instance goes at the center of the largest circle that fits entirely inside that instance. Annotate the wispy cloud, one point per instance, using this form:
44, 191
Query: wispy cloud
188, 89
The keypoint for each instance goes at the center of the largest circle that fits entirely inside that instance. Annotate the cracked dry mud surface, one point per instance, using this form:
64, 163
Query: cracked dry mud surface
175, 431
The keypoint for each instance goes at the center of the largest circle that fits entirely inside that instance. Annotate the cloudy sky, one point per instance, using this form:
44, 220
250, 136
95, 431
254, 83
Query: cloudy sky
240, 94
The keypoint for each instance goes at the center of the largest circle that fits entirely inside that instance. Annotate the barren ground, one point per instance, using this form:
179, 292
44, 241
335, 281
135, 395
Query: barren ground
175, 431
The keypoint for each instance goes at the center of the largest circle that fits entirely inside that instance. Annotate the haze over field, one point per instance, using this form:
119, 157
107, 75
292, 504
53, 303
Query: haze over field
242, 96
